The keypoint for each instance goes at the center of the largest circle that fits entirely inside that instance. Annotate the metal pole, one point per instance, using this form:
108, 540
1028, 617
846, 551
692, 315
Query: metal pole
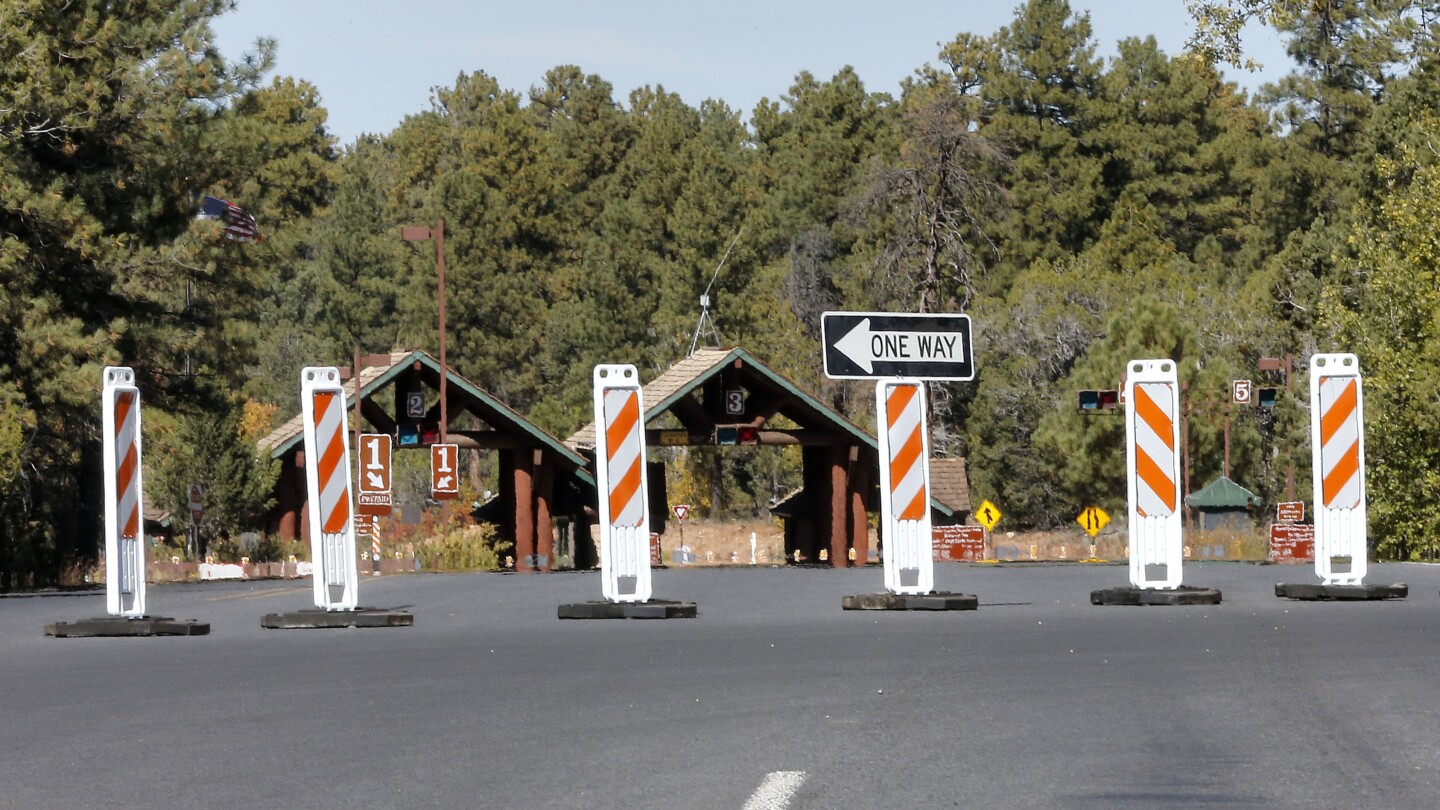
1227, 438
1289, 468
355, 374
444, 368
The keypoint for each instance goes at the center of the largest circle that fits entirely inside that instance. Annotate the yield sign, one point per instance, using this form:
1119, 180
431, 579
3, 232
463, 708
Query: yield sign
988, 514
1092, 520
682, 511
444, 472
870, 345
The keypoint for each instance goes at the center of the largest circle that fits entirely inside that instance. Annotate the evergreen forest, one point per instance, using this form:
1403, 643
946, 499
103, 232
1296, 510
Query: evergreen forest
1084, 211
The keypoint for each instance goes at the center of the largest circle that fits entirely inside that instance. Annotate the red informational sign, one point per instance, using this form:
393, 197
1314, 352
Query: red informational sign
682, 511
373, 491
1290, 512
1292, 542
958, 543
444, 472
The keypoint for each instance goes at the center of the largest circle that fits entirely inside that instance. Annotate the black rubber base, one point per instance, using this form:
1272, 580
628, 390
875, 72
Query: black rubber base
1310, 592
653, 609
909, 601
315, 618
1152, 596
116, 626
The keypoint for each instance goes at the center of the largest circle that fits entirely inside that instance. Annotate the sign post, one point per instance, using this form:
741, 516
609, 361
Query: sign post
901, 351
125, 524
623, 485
1152, 442
623, 508
332, 521
327, 475
905, 486
1337, 434
124, 531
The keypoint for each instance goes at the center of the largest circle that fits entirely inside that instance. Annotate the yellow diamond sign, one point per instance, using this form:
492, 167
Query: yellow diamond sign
1092, 520
988, 515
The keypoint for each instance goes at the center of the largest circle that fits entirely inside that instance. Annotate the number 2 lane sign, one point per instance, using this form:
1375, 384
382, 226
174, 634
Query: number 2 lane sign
871, 345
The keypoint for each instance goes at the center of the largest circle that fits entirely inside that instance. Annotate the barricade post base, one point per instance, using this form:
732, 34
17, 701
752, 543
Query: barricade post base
1184, 595
939, 600
120, 626
1311, 592
653, 609
314, 618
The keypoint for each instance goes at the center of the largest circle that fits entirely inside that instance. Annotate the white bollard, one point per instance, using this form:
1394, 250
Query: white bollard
1152, 433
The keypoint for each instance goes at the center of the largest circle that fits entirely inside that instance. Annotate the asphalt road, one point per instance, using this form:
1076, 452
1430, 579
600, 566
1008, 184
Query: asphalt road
1038, 699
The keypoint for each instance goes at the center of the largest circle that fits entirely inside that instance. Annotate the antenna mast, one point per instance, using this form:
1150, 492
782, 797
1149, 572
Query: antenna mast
706, 326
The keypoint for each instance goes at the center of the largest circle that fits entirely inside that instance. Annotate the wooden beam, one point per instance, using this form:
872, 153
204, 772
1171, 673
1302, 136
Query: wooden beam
692, 414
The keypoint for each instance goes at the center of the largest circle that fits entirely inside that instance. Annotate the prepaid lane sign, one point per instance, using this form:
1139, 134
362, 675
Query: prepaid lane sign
870, 345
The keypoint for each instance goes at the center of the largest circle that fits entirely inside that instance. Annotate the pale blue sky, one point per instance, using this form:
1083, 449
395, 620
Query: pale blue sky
375, 61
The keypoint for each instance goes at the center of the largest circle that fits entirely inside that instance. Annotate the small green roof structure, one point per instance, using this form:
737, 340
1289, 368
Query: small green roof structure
1222, 493
1222, 503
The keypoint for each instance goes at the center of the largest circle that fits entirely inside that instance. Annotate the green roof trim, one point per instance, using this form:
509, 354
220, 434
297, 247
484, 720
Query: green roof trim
399, 365
1222, 493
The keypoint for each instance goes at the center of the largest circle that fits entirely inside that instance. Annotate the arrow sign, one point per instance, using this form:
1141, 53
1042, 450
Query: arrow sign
869, 345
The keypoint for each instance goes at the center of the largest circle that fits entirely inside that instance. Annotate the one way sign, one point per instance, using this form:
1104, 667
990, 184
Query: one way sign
871, 345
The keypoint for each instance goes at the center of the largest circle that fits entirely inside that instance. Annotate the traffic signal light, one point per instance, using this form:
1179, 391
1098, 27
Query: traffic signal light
1265, 397
1097, 401
727, 436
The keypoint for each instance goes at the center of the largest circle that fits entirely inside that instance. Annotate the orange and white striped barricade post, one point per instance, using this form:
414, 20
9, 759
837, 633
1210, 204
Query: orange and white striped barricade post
124, 526
1337, 436
1337, 441
327, 477
908, 553
905, 486
622, 483
1152, 440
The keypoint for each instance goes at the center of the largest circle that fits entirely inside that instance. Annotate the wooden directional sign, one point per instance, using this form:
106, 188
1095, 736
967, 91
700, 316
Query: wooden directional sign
1092, 520
372, 493
1290, 512
871, 345
444, 472
988, 515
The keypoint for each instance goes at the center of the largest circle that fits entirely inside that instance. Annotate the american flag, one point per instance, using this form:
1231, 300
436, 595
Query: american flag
238, 224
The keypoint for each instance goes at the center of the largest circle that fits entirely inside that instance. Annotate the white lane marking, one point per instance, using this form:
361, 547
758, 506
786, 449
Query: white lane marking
775, 791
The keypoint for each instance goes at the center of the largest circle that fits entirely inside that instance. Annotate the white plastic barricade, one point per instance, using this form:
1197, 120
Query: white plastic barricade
124, 524
620, 464
1152, 439
905, 486
1337, 436
327, 478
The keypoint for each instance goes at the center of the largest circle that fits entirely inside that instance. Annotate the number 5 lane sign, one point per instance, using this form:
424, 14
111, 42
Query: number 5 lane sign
871, 345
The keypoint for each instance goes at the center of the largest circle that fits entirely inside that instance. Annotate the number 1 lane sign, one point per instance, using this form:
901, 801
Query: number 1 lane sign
871, 345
